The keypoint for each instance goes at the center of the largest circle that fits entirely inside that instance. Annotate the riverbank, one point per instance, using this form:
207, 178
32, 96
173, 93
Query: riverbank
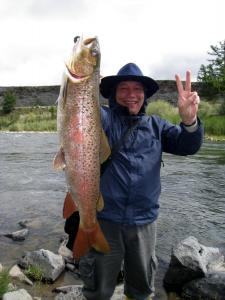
43, 119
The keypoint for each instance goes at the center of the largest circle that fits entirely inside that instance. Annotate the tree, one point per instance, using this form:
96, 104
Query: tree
9, 102
212, 75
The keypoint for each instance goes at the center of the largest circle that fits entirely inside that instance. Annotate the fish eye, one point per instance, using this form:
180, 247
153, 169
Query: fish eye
94, 52
76, 39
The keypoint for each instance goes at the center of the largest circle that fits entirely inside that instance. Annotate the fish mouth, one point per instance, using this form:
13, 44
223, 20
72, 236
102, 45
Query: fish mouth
75, 77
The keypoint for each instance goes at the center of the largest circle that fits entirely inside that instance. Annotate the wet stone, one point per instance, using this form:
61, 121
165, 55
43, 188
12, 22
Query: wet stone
50, 264
19, 235
16, 272
21, 294
197, 271
209, 288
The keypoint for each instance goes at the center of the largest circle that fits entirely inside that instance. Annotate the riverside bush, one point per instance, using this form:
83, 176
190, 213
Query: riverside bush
164, 110
30, 119
207, 109
215, 125
9, 102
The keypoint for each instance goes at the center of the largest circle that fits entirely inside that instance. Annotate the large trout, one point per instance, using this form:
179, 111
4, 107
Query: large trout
83, 146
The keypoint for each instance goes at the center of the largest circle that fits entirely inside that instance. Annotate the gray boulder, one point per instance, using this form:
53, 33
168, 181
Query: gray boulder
15, 272
17, 295
51, 264
191, 260
19, 235
72, 292
209, 288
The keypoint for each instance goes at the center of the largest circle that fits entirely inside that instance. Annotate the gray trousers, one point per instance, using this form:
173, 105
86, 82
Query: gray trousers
132, 244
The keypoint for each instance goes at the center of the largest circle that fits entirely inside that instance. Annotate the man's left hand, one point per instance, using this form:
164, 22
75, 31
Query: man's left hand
188, 101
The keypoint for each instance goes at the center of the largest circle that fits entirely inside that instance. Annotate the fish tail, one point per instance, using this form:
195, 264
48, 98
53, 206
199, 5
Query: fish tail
85, 240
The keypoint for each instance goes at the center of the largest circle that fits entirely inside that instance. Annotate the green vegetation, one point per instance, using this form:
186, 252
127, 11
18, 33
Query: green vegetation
4, 282
29, 119
210, 113
9, 102
164, 110
212, 75
44, 118
34, 272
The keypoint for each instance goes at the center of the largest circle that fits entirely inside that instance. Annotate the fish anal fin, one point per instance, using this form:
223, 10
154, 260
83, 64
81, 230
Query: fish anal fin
59, 160
105, 150
90, 238
69, 206
100, 203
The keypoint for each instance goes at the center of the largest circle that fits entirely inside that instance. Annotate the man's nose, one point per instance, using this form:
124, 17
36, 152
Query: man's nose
131, 92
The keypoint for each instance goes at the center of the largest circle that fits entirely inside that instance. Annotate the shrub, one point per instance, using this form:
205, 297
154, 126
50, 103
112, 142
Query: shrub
215, 125
164, 110
222, 108
9, 102
207, 109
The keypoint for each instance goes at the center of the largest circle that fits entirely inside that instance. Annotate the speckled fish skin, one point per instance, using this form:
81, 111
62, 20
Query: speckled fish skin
79, 129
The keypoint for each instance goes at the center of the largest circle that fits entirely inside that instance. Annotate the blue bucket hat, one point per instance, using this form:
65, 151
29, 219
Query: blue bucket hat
128, 72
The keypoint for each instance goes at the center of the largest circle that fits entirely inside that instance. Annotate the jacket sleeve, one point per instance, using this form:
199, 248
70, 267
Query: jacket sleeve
177, 140
105, 117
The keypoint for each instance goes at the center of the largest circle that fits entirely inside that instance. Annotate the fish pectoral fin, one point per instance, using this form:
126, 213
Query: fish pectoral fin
100, 203
69, 206
59, 160
87, 239
105, 150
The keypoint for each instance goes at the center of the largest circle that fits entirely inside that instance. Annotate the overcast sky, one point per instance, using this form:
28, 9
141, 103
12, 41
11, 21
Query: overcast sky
163, 37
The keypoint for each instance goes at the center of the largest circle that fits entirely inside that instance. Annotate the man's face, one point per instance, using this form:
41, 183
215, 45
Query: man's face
131, 95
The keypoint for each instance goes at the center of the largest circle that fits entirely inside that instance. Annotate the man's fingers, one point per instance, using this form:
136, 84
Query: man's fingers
179, 85
188, 81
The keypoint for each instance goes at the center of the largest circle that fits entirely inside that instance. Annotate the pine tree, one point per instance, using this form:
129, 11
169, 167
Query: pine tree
212, 75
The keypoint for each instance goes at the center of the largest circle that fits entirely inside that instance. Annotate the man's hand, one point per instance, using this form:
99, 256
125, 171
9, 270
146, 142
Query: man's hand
188, 101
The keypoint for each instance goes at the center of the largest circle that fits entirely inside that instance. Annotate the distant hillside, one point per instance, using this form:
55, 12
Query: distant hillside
47, 95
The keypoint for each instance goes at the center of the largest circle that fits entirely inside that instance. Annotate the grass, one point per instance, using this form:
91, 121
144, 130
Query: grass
29, 119
214, 124
44, 118
4, 282
34, 272
164, 110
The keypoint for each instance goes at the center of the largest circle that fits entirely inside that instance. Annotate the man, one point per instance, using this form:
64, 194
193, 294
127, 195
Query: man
130, 184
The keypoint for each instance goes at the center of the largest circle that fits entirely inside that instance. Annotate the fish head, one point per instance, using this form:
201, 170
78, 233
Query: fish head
84, 59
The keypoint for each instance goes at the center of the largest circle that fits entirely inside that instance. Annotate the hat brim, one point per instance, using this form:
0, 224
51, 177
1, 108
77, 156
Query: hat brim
108, 83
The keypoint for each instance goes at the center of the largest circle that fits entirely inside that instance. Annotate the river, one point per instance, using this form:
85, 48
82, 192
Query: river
192, 200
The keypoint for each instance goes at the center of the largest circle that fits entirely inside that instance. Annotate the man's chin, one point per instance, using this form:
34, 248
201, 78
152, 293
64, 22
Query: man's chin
132, 111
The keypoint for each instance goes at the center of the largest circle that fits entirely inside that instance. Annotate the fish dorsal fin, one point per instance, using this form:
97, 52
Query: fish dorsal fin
105, 150
59, 160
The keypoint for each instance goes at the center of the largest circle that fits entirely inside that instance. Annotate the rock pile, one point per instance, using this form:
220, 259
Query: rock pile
197, 271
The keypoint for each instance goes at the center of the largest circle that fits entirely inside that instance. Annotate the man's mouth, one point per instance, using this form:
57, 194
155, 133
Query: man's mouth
131, 102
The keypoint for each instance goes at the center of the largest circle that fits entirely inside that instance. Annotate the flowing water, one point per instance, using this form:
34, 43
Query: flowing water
192, 200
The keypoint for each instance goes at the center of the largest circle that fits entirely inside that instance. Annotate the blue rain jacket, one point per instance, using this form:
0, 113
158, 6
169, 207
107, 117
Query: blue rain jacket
131, 183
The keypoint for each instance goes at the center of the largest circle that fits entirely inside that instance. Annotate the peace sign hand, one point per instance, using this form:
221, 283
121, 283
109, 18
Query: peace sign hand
188, 101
